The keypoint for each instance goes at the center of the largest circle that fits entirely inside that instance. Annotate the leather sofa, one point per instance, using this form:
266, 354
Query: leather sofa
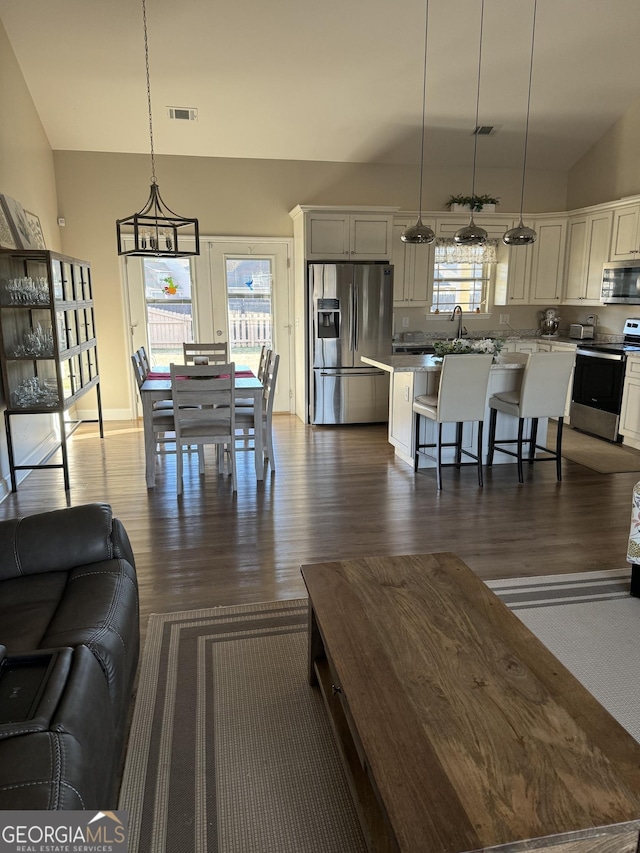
69, 635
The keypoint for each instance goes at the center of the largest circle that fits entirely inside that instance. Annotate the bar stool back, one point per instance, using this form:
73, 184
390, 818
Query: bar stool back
543, 394
461, 398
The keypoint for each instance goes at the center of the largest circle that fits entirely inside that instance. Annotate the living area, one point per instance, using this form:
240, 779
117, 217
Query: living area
226, 745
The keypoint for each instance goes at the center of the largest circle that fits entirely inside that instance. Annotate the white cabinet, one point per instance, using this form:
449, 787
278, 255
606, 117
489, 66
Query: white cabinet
625, 238
405, 387
547, 262
412, 267
630, 410
348, 236
588, 242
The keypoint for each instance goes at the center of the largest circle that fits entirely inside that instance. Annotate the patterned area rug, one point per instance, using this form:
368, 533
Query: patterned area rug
595, 453
232, 752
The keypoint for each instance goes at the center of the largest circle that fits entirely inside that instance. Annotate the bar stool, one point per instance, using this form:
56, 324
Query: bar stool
461, 398
543, 394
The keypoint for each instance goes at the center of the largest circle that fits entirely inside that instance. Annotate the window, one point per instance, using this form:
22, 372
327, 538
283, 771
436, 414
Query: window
462, 275
167, 287
249, 297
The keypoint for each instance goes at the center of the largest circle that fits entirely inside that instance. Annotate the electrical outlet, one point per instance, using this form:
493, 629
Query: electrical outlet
405, 322
504, 319
406, 393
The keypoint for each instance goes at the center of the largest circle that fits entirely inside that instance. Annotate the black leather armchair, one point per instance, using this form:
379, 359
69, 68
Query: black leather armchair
69, 625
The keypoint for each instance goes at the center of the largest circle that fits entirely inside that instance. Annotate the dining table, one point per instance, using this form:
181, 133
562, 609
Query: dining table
157, 386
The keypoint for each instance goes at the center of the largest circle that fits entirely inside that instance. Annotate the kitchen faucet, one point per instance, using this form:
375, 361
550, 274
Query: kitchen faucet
460, 330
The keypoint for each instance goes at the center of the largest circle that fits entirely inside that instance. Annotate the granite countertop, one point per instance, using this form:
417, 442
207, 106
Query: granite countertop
406, 363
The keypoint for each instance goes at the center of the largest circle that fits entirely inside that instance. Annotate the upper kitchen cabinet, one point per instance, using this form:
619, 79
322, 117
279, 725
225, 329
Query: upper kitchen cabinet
513, 274
532, 275
588, 242
337, 234
547, 262
412, 267
625, 238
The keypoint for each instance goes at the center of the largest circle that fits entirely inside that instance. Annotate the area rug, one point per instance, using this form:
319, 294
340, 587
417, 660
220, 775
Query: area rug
232, 752
595, 453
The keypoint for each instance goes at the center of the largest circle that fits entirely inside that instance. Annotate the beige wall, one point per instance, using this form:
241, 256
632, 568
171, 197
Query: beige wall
26, 159
611, 168
27, 175
235, 198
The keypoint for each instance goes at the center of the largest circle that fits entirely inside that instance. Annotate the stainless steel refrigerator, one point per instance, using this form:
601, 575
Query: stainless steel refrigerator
350, 315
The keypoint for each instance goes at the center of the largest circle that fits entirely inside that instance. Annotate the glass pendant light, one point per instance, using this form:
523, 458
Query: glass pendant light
156, 230
521, 235
421, 233
472, 234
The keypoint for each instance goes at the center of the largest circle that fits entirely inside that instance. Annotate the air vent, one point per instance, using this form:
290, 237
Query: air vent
486, 130
183, 113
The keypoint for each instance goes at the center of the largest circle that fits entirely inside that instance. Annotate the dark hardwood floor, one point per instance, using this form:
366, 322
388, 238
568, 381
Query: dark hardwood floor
338, 493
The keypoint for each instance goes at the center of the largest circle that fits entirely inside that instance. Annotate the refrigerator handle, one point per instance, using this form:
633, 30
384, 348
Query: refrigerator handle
354, 314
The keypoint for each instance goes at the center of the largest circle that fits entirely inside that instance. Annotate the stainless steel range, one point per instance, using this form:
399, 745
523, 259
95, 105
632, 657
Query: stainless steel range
598, 381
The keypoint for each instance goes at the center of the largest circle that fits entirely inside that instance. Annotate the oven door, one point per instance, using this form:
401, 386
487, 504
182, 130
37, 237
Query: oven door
597, 393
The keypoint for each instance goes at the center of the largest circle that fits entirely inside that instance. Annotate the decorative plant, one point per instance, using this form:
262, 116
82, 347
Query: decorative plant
475, 202
459, 346
170, 288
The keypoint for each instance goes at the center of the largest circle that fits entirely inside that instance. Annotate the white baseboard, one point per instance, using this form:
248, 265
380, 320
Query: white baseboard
107, 414
34, 457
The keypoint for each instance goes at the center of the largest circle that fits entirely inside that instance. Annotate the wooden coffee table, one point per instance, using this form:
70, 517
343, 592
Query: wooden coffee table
459, 730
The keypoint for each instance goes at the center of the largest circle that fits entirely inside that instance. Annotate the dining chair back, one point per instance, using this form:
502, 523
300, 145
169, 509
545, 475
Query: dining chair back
265, 352
245, 415
461, 398
217, 353
139, 372
543, 394
204, 412
143, 358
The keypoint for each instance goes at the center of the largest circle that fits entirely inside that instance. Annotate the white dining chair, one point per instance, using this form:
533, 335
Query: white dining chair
543, 394
217, 353
265, 353
461, 398
163, 420
204, 413
245, 415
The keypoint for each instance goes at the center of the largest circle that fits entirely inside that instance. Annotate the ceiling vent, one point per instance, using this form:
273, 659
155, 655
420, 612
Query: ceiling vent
486, 130
183, 113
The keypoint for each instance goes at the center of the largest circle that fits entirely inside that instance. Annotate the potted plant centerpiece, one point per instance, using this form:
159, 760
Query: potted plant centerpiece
459, 203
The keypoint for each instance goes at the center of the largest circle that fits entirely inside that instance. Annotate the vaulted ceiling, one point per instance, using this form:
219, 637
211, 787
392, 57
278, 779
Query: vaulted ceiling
337, 80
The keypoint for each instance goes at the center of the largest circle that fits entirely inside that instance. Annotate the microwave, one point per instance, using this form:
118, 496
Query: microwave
621, 283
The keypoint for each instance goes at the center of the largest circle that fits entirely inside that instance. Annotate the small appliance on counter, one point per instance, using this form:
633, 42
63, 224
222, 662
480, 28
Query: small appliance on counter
581, 331
549, 323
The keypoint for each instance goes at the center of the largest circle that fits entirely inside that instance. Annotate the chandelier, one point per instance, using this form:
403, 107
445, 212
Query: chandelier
156, 230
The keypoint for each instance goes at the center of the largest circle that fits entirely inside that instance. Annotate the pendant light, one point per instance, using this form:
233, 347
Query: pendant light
521, 235
421, 233
157, 231
472, 234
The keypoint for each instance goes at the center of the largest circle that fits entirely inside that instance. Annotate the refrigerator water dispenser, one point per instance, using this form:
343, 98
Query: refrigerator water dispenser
328, 318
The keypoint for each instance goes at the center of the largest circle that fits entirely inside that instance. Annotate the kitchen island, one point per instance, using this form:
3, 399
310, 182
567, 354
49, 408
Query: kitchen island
412, 375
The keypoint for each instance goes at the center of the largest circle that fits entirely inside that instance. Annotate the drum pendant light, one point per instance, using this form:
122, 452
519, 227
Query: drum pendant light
521, 235
421, 233
157, 231
472, 234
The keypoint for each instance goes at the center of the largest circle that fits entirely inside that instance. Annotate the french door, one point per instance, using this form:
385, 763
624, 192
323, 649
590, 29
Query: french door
236, 290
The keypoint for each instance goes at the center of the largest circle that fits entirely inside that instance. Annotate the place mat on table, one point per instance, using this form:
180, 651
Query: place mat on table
156, 374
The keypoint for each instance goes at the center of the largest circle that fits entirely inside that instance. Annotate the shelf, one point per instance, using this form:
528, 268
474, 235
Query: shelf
59, 313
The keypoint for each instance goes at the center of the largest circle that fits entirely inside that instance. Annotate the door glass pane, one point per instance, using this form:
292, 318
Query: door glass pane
249, 302
167, 285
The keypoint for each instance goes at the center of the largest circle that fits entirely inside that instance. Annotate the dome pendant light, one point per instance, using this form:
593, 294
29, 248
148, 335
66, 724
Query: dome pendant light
157, 231
421, 233
472, 234
521, 235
